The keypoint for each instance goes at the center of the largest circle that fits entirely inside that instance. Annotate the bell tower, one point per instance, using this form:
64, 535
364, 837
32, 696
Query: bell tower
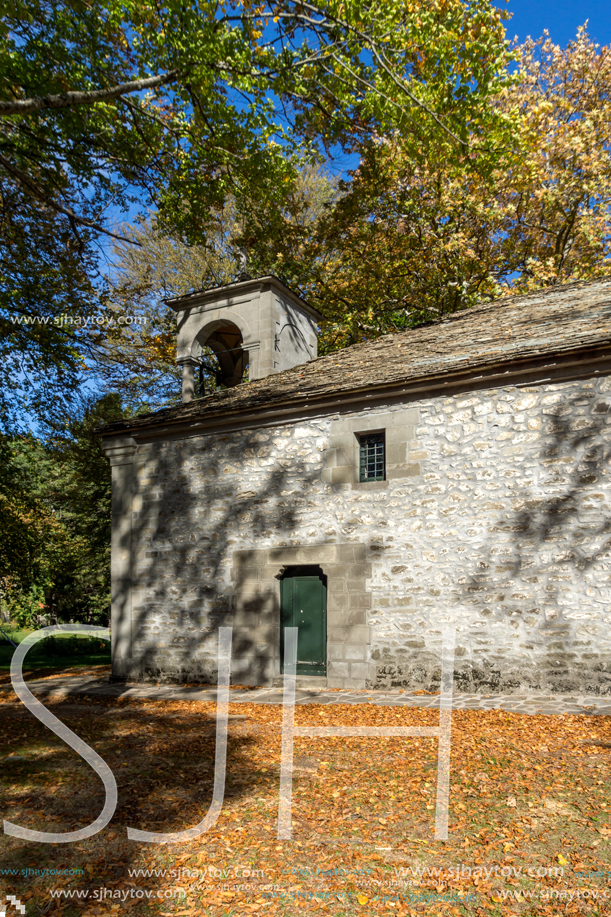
254, 322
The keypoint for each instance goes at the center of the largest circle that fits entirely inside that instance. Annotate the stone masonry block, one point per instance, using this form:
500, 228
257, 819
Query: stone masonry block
338, 669
335, 651
337, 576
344, 474
245, 617
269, 572
330, 459
248, 596
359, 600
247, 577
354, 653
337, 681
339, 427
336, 617
397, 434
355, 684
262, 634
354, 634
337, 601
345, 442
278, 555
383, 420
270, 610
345, 456
317, 554
371, 486
352, 552
407, 471
359, 670
356, 571
396, 453
405, 418
355, 616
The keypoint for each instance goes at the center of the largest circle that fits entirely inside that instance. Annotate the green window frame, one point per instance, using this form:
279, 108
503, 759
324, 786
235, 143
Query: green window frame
372, 456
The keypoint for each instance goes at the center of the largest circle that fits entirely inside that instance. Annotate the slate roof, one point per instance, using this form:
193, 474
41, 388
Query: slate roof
558, 321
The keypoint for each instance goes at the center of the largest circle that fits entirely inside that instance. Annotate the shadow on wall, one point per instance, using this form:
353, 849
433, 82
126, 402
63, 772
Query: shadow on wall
197, 508
541, 559
195, 512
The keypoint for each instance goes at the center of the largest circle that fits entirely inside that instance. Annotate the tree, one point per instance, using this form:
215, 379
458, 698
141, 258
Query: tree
416, 237
29, 529
135, 354
558, 198
46, 298
108, 105
80, 491
55, 500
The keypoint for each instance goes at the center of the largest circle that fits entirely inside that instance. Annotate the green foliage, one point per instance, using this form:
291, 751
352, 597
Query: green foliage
65, 646
29, 533
80, 489
56, 652
46, 295
26, 608
56, 558
181, 107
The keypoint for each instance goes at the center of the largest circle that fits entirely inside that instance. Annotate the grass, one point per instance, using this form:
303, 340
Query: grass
62, 651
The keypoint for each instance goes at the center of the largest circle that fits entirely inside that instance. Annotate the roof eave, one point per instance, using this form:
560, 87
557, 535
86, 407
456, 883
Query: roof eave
289, 406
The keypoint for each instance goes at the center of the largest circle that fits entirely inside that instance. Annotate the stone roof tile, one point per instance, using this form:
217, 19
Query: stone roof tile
558, 320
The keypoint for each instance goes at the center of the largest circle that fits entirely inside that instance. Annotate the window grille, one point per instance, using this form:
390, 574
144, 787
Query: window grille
372, 457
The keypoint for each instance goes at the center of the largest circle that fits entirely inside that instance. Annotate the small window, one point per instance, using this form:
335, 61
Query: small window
372, 459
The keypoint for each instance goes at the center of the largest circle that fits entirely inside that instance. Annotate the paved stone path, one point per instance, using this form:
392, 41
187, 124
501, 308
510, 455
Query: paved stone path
516, 703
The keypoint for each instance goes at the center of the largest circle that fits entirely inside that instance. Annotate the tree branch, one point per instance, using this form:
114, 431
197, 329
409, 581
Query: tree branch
68, 99
59, 208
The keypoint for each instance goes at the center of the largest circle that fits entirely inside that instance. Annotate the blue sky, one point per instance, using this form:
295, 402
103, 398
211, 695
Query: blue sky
560, 17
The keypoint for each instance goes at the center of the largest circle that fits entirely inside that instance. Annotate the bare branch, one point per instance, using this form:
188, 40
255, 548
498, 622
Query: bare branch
69, 99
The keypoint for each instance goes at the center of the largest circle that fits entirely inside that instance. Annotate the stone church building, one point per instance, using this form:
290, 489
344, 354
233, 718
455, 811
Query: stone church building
455, 473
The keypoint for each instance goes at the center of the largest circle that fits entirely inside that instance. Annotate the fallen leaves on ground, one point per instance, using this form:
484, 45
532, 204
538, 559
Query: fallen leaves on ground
528, 825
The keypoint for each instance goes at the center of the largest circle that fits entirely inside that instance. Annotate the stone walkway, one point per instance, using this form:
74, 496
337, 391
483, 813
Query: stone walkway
516, 703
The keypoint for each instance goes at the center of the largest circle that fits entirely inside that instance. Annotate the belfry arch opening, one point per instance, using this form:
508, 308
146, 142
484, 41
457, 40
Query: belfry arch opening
225, 340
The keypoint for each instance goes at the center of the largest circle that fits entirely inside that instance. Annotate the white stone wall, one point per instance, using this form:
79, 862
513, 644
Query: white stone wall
500, 526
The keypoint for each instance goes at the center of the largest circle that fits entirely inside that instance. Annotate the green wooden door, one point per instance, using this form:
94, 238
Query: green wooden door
304, 605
